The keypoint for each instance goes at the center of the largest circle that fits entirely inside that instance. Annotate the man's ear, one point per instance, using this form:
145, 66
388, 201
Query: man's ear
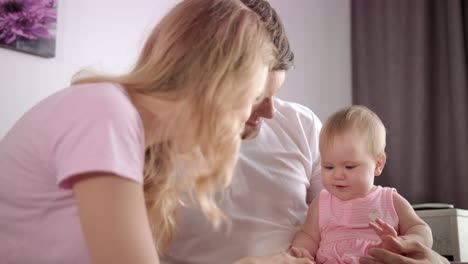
380, 164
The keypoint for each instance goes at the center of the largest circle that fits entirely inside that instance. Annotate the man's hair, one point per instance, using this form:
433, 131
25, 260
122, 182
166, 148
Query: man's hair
275, 28
356, 117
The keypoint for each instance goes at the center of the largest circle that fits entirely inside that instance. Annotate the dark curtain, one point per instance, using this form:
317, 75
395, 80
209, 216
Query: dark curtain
410, 66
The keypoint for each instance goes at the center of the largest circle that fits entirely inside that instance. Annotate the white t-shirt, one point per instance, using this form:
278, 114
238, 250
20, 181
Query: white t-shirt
277, 176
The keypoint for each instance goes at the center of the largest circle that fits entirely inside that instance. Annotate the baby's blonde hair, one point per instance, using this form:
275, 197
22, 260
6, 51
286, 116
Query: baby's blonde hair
356, 117
203, 56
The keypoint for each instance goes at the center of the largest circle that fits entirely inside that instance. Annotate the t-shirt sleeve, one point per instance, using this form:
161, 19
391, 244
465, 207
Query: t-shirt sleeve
315, 179
100, 135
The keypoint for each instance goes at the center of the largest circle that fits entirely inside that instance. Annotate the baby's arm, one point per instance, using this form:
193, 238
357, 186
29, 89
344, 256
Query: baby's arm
411, 226
308, 237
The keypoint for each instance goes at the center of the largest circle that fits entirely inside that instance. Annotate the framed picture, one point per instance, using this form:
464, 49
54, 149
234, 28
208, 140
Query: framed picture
29, 26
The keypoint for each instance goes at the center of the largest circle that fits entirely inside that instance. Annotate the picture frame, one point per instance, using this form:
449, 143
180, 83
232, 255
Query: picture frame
29, 26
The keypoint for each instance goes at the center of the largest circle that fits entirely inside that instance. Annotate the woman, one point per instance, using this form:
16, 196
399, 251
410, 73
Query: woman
78, 168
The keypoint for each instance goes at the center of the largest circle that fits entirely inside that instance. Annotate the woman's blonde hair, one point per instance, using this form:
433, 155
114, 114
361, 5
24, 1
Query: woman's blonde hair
356, 117
203, 56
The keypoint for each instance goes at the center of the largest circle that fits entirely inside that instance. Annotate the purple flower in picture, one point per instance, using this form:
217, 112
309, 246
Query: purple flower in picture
27, 19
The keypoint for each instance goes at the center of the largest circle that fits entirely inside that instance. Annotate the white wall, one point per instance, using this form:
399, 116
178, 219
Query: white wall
107, 35
319, 33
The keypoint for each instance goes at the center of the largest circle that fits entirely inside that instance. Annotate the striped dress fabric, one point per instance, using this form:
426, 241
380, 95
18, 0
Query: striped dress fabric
344, 225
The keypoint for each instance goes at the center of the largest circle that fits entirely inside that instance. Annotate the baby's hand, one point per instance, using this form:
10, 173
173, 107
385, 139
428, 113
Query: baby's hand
383, 229
300, 253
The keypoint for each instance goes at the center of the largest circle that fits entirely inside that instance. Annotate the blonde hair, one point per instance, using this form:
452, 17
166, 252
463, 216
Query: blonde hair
203, 55
355, 117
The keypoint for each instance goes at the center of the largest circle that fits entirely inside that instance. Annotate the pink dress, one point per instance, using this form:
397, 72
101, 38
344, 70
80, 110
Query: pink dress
344, 225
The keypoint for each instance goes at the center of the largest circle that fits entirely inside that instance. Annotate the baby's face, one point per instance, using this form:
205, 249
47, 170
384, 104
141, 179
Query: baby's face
348, 168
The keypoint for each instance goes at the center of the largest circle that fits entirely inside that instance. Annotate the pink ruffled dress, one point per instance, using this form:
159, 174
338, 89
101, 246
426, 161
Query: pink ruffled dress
344, 225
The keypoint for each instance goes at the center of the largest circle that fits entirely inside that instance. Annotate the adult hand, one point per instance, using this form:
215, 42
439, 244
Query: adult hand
403, 251
276, 258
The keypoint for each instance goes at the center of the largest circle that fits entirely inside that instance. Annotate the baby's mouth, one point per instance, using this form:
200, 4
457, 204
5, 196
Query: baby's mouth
340, 187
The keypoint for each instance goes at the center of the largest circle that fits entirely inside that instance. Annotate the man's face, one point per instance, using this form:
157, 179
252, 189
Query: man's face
264, 108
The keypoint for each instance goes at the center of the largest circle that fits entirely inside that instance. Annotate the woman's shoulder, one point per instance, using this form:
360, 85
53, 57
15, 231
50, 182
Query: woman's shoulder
94, 99
103, 92
91, 105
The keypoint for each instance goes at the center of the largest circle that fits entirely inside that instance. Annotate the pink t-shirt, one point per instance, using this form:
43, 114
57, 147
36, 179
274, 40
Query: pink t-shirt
83, 128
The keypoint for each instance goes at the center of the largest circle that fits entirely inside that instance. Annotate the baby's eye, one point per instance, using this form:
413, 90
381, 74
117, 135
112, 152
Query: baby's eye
350, 167
328, 167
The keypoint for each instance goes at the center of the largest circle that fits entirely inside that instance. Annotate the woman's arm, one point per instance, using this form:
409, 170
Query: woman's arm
114, 220
411, 226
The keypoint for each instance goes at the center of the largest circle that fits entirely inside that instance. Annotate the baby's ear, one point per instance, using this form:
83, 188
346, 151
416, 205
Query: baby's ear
380, 163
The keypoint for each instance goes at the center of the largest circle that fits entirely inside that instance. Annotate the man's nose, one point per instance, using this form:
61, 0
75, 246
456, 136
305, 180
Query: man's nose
266, 108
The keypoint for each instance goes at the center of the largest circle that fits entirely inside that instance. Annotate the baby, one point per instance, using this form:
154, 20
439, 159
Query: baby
352, 214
